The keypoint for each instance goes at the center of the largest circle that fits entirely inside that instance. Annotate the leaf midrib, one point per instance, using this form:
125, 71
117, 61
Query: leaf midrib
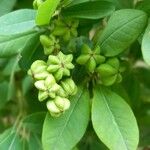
67, 120
113, 118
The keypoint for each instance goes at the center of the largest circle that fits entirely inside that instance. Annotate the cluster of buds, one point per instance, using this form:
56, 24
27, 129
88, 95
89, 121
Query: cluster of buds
50, 44
65, 28
108, 70
47, 75
90, 58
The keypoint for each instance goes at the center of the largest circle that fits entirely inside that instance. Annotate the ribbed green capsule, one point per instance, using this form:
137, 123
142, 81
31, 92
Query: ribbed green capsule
66, 28
60, 65
38, 70
90, 58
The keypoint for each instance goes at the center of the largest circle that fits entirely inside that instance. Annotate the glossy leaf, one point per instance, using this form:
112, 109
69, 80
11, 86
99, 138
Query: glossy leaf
146, 45
114, 121
45, 11
14, 44
122, 30
90, 10
66, 131
17, 22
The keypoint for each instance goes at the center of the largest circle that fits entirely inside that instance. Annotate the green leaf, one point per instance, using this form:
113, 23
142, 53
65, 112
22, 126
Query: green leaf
122, 30
89, 10
6, 6
146, 45
45, 11
17, 22
14, 44
3, 94
34, 122
114, 121
10, 70
10, 140
67, 130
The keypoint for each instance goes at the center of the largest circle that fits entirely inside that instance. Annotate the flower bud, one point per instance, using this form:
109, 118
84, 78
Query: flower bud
45, 41
51, 106
62, 103
106, 70
69, 87
42, 95
38, 70
60, 65
91, 65
40, 85
114, 62
108, 81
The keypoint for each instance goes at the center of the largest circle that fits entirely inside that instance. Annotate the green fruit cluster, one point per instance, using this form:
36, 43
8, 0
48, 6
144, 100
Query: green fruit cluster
65, 28
49, 80
90, 58
50, 44
110, 72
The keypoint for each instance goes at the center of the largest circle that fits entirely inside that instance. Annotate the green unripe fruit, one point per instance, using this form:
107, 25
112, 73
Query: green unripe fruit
83, 59
106, 70
69, 87
65, 28
45, 41
62, 103
114, 62
51, 106
108, 81
47, 87
60, 65
50, 43
38, 70
42, 95
91, 65
90, 58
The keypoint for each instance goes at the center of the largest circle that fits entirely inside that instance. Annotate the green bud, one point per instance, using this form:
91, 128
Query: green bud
65, 28
83, 59
59, 31
91, 65
50, 43
52, 68
45, 41
62, 103
42, 95
108, 81
69, 88
60, 65
40, 85
62, 93
38, 70
51, 106
114, 62
106, 70
99, 59
59, 74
